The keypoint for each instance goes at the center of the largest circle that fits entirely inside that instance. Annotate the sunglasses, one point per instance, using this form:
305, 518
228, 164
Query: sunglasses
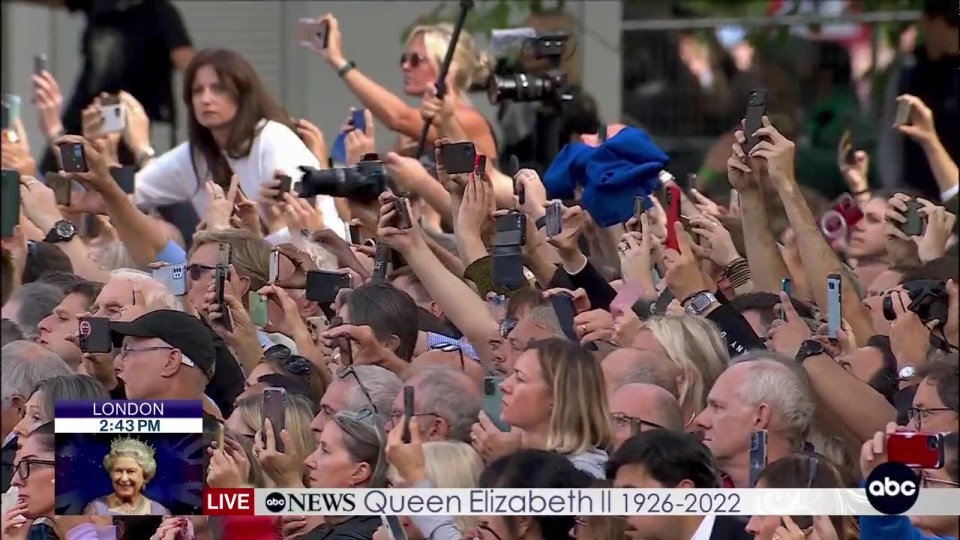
195, 271
348, 371
506, 326
412, 59
451, 347
292, 363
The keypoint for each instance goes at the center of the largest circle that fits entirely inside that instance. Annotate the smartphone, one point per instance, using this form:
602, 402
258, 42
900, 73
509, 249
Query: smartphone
61, 187
393, 527
914, 224
786, 285
39, 63
220, 284
316, 325
639, 207
480, 166
323, 286
753, 120
492, 401
285, 183
903, 113
834, 315
174, 277
564, 308
220, 436
511, 230
125, 178
343, 344
274, 266
353, 234
94, 335
113, 114
402, 219
11, 112
672, 208
554, 219
916, 450
408, 398
273, 410
758, 455
257, 308
314, 34
73, 158
9, 201
519, 191
358, 120
459, 158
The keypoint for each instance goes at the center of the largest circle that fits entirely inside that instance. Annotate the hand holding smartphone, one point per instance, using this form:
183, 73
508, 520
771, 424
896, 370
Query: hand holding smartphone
554, 219
94, 335
916, 450
73, 157
458, 158
753, 119
273, 410
314, 34
672, 208
914, 225
834, 314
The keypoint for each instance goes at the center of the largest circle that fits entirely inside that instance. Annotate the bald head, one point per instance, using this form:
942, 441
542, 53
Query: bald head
647, 402
629, 366
451, 360
450, 399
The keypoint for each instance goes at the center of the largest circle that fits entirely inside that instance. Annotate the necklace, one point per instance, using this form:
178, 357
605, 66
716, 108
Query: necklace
134, 511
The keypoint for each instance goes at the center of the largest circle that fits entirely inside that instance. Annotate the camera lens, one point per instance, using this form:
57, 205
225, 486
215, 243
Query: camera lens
933, 442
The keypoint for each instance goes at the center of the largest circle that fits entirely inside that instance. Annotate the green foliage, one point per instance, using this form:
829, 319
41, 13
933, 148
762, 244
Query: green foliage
486, 15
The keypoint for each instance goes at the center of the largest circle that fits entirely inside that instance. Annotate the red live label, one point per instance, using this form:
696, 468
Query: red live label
228, 501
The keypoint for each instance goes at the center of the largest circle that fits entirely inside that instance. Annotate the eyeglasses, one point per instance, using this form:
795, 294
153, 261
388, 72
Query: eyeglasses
506, 326
346, 372
292, 363
635, 424
921, 414
124, 351
926, 481
412, 59
451, 347
396, 417
195, 271
24, 466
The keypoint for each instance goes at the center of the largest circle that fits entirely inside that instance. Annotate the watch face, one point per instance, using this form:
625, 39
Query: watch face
907, 373
65, 229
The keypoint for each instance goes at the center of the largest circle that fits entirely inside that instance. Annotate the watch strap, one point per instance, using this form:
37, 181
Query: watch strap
53, 235
345, 68
541, 222
810, 348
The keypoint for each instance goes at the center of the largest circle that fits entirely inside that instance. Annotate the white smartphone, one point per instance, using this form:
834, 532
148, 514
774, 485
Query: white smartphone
274, 266
113, 113
174, 277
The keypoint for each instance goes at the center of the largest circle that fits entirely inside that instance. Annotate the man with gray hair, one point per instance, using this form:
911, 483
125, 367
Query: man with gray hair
636, 366
24, 365
30, 304
759, 391
354, 388
639, 407
446, 401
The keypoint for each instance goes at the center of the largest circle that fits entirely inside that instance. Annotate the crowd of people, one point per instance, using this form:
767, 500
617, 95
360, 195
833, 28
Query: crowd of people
637, 350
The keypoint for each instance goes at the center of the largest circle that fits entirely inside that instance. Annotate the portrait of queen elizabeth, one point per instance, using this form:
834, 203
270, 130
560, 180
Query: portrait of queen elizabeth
131, 464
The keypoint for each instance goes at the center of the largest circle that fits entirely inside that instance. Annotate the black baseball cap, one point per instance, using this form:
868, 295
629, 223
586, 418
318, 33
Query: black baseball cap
186, 333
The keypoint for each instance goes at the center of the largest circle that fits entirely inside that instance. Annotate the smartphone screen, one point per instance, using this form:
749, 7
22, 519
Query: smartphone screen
94, 335
753, 120
257, 308
916, 450
323, 286
9, 201
492, 399
672, 208
353, 234
73, 158
408, 399
834, 315
554, 217
358, 120
758, 455
273, 410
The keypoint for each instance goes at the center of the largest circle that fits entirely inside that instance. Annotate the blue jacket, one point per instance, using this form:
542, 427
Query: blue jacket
624, 166
890, 527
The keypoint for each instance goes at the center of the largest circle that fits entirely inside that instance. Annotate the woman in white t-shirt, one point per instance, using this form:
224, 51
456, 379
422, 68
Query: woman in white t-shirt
234, 127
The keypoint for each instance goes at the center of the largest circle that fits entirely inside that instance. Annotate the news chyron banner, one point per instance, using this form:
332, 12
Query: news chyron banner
129, 457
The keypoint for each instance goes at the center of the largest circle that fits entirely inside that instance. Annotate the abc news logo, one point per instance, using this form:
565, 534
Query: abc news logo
311, 502
892, 488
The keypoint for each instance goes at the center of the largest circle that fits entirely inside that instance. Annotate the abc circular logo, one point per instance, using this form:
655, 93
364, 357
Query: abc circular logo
892, 488
275, 502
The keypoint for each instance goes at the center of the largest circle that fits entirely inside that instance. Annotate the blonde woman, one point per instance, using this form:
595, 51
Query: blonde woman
696, 348
245, 422
556, 395
131, 465
420, 63
448, 465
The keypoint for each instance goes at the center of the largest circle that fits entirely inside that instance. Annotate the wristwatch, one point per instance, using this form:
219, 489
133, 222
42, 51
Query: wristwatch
146, 153
62, 231
808, 348
907, 372
345, 68
700, 302
541, 222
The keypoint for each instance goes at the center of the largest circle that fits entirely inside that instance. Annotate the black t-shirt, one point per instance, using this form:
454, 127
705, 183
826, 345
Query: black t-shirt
126, 45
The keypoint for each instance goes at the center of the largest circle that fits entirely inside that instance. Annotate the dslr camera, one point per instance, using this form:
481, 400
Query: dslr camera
552, 87
363, 182
928, 299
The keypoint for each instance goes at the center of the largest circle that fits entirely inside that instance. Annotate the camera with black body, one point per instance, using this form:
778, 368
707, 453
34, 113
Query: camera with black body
363, 182
549, 88
928, 299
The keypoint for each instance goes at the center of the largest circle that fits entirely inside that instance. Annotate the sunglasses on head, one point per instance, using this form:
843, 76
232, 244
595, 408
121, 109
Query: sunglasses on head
292, 363
451, 347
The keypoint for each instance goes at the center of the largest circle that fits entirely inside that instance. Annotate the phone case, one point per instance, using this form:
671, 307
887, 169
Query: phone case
480, 166
174, 277
313, 34
257, 308
114, 117
758, 455
273, 409
834, 315
274, 266
914, 224
94, 335
9, 201
508, 268
492, 401
39, 64
323, 286
847, 206
903, 113
458, 158
672, 207
358, 120
753, 120
554, 216
639, 207
73, 158
916, 450
511, 230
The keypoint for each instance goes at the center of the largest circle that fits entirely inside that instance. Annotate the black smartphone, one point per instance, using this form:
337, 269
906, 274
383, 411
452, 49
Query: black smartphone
61, 186
222, 273
125, 178
753, 120
94, 335
323, 34
758, 455
554, 219
786, 285
511, 230
914, 224
563, 306
273, 409
285, 183
73, 158
353, 231
639, 207
408, 397
323, 286
9, 202
402, 207
39, 63
459, 158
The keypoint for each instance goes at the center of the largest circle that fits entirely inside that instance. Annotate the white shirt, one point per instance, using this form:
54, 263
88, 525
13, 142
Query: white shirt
171, 178
705, 529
